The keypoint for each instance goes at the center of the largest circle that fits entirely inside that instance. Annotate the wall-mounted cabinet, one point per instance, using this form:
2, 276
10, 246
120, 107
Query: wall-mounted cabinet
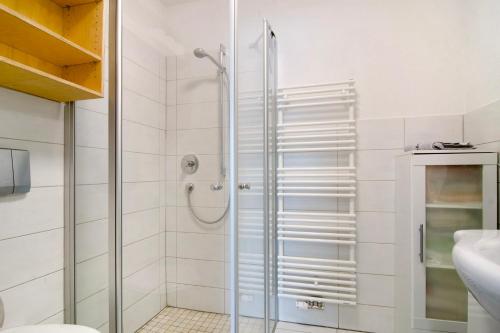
438, 194
52, 48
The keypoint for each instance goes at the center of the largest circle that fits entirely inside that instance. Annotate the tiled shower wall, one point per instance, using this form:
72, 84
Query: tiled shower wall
196, 253
32, 224
144, 114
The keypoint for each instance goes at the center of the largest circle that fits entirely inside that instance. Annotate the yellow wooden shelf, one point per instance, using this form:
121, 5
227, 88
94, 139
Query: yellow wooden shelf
35, 82
30, 37
52, 48
72, 2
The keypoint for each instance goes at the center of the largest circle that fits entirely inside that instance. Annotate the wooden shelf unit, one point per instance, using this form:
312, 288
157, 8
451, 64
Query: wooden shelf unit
52, 48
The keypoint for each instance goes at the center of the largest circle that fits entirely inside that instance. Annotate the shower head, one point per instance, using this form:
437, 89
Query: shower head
201, 53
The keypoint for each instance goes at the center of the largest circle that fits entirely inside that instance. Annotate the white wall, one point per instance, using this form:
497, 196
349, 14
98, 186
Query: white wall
482, 120
32, 224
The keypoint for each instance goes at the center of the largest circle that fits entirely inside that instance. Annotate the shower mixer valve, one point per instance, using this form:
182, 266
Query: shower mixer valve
217, 186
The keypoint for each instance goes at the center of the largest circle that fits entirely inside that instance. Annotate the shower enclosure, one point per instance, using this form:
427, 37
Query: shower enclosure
174, 185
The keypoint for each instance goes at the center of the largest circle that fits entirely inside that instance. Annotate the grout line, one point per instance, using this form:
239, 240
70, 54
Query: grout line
31, 234
90, 147
53, 315
33, 141
143, 267
31, 280
91, 295
140, 240
92, 258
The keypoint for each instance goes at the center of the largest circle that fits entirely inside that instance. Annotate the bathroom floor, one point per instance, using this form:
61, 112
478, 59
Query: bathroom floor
174, 320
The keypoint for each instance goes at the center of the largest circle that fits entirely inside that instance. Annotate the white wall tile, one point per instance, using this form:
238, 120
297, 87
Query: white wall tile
138, 79
171, 294
140, 284
376, 290
141, 224
91, 202
91, 239
92, 165
385, 133
481, 126
376, 227
56, 319
377, 196
199, 141
375, 258
367, 318
31, 118
140, 109
91, 129
171, 93
171, 67
171, 244
171, 269
28, 257
197, 90
92, 276
433, 128
138, 167
376, 164
94, 310
200, 298
198, 115
171, 194
139, 255
40, 209
200, 273
45, 297
139, 313
171, 144
200, 246
171, 218
140, 52
140, 138
171, 119
140, 196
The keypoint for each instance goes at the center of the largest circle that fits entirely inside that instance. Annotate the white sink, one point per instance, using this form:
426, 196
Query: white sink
476, 256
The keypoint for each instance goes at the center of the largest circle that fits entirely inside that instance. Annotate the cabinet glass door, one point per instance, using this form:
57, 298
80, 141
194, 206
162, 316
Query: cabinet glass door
454, 198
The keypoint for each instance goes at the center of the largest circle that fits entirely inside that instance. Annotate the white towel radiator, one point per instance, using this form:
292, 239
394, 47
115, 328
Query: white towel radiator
316, 146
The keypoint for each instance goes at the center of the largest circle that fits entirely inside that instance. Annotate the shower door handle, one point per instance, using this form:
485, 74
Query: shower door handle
244, 186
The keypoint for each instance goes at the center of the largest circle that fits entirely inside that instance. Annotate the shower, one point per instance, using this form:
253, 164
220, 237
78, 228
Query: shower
192, 164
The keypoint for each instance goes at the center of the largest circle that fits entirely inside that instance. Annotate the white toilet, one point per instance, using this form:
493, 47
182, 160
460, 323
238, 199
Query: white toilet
50, 329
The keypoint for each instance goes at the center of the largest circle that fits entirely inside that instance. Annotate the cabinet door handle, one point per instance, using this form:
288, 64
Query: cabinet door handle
421, 253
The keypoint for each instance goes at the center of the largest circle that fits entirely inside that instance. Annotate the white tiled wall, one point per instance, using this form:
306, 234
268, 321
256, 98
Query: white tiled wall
144, 182
195, 252
91, 211
32, 224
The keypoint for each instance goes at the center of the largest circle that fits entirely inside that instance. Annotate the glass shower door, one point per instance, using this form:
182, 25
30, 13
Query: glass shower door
256, 106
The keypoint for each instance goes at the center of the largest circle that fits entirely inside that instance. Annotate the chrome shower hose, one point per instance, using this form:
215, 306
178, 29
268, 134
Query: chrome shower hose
189, 190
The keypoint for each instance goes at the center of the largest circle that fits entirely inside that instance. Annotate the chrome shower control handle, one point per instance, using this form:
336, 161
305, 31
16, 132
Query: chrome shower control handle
216, 187
244, 186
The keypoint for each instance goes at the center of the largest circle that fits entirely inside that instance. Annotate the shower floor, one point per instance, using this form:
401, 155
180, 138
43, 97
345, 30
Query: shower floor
173, 320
